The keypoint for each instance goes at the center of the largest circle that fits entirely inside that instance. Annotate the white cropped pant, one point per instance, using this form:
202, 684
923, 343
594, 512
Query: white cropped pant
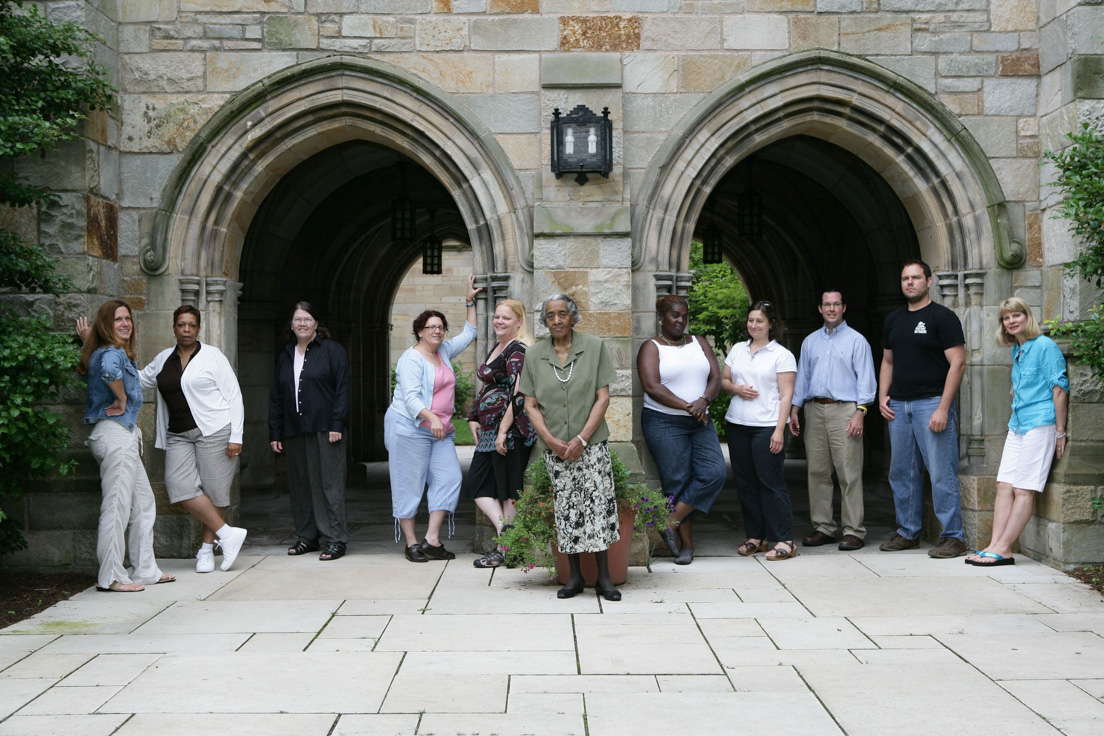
127, 506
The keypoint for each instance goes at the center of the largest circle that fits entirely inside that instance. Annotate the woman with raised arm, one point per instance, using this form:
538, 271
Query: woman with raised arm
418, 430
128, 510
504, 436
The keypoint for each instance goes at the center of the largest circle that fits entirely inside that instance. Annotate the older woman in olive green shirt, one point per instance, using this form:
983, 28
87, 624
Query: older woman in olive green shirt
566, 385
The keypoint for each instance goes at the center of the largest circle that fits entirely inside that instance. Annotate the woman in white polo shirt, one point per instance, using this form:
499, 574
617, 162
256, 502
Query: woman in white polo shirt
760, 375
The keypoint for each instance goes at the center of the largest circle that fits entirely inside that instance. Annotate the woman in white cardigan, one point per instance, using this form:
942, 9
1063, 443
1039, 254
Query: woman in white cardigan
200, 418
418, 431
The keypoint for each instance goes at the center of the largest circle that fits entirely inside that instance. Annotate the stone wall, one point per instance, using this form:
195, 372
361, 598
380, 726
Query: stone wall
1018, 74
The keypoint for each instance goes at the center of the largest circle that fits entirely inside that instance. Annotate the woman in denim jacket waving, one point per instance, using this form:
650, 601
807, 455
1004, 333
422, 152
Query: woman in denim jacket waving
114, 398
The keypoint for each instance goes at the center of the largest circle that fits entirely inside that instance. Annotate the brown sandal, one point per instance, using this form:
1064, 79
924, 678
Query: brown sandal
749, 548
781, 553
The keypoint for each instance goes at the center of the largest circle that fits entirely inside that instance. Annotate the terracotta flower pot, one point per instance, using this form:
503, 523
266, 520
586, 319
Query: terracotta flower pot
618, 555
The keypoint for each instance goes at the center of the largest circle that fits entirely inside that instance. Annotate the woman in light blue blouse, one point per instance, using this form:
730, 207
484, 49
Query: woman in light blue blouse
418, 431
1036, 431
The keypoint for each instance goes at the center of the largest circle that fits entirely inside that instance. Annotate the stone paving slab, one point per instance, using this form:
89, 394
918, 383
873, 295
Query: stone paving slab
864, 643
229, 724
920, 699
1063, 704
881, 596
93, 725
262, 682
708, 713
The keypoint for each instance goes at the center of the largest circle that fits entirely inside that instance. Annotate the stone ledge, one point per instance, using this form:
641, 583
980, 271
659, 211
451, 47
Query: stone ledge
592, 219
581, 70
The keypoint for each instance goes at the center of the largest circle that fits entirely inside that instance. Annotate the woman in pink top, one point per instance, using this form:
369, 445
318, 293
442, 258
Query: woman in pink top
418, 432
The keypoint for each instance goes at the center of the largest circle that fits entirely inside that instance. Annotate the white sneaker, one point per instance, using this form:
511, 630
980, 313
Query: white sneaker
205, 560
231, 546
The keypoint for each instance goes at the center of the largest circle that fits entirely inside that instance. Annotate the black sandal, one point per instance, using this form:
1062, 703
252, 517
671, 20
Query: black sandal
334, 551
492, 559
301, 548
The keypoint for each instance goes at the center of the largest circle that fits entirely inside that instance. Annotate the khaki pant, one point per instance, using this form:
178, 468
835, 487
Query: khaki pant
829, 448
128, 510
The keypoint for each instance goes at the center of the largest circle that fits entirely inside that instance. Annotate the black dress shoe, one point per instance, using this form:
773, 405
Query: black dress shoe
414, 554
817, 538
569, 591
671, 538
613, 594
435, 553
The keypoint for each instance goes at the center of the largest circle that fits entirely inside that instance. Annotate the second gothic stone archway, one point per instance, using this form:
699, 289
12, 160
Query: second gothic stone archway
923, 152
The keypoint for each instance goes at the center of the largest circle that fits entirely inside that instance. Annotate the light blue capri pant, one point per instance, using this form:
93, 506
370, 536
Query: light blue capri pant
415, 458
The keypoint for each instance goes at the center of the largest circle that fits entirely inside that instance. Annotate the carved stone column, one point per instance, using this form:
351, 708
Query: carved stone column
222, 313
974, 282
190, 287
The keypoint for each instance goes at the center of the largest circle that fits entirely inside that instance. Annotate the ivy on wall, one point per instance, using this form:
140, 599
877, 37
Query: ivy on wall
1081, 182
48, 84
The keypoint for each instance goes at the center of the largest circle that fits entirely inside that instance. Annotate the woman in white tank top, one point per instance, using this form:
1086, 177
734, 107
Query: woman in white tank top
680, 376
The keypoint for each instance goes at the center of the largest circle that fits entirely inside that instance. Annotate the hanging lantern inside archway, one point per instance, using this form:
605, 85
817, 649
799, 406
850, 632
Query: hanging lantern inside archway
749, 214
432, 251
402, 212
712, 250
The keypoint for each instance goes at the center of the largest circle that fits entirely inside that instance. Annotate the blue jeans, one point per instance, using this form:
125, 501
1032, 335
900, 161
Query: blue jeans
688, 456
760, 482
914, 446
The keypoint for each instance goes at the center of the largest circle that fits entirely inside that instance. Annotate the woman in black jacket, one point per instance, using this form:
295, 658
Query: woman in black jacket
308, 411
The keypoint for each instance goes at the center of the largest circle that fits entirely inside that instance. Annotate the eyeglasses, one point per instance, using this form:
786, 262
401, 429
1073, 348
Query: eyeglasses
303, 321
436, 328
765, 304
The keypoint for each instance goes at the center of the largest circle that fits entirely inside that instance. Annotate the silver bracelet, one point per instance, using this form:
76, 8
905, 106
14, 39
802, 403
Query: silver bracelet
582, 440
1060, 435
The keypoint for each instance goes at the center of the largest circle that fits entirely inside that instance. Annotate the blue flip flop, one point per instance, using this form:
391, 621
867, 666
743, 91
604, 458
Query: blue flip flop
997, 560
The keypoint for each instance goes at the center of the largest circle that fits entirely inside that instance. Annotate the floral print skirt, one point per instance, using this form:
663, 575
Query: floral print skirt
586, 508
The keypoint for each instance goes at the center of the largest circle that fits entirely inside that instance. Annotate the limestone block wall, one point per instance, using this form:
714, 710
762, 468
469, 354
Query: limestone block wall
1017, 73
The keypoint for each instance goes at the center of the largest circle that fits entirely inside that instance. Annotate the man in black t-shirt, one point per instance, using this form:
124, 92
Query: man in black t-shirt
922, 367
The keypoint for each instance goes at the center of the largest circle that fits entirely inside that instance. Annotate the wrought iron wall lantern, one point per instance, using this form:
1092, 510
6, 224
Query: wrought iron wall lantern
582, 143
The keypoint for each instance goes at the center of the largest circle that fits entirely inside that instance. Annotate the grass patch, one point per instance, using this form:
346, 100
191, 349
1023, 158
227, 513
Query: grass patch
463, 431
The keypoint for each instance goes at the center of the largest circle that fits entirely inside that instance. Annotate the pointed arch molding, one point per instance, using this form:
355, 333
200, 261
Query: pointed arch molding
277, 123
929, 158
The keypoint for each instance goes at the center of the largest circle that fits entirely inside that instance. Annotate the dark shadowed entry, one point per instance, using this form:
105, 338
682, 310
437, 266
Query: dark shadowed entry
802, 215
324, 235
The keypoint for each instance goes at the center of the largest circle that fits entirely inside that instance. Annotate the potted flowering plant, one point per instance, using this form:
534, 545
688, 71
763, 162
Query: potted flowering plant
531, 540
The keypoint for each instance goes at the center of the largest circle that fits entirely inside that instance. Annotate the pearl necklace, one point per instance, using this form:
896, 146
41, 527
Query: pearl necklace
570, 370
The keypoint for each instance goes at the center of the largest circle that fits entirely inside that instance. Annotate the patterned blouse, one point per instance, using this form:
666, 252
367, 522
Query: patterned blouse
498, 378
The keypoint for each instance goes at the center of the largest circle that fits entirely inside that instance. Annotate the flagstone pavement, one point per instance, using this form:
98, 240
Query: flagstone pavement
862, 643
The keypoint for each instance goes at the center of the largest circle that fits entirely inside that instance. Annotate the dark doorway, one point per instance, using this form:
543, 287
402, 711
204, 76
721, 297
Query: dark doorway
323, 234
825, 219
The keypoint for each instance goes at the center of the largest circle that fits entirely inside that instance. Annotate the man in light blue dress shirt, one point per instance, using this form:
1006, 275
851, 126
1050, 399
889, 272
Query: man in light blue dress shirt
835, 384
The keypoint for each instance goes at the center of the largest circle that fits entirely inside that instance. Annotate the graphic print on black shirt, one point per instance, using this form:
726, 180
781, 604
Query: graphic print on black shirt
918, 340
